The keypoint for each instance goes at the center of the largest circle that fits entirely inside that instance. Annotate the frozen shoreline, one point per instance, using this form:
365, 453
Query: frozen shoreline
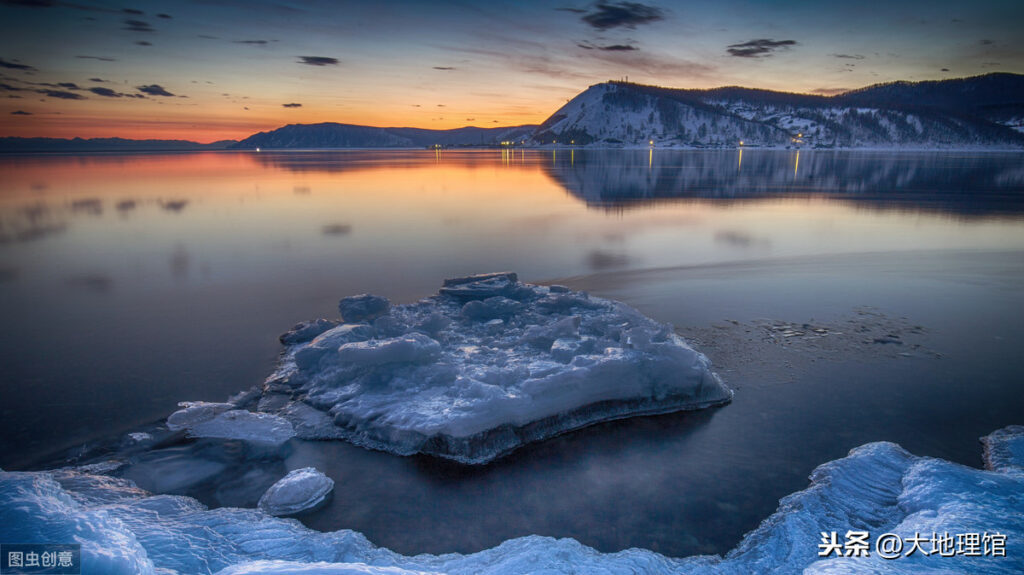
879, 488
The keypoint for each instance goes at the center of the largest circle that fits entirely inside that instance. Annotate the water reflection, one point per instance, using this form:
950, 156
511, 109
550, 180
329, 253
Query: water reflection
960, 184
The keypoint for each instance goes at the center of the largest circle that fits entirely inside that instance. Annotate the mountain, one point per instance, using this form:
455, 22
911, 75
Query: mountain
981, 111
104, 145
332, 135
996, 97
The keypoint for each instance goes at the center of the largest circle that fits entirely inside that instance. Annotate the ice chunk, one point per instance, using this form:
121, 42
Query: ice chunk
1004, 449
245, 425
194, 413
365, 307
414, 348
309, 356
306, 331
301, 490
490, 308
878, 488
482, 286
504, 363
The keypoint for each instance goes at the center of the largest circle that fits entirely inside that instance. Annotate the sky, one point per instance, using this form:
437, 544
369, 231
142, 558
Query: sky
213, 70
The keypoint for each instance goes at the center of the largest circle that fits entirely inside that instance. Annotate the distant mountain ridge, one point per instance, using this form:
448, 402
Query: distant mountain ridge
26, 145
982, 111
334, 135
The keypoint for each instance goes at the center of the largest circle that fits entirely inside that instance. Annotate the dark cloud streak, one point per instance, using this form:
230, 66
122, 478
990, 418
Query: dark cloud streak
17, 66
292, 105
137, 26
62, 95
608, 15
318, 61
154, 90
108, 93
760, 47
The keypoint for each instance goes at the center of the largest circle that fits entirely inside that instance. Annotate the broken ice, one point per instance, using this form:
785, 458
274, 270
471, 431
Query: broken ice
301, 490
224, 421
488, 364
877, 488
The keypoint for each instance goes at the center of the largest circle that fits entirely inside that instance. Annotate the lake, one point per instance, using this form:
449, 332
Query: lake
846, 297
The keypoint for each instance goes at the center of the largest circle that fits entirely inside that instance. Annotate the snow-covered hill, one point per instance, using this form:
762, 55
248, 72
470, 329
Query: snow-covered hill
331, 135
915, 116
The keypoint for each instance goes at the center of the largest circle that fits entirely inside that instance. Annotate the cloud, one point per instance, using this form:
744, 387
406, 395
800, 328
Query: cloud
253, 42
849, 56
100, 91
17, 66
10, 88
154, 90
69, 85
97, 80
829, 91
33, 3
143, 43
132, 11
21, 113
292, 105
760, 47
945, 70
100, 58
318, 61
137, 26
608, 48
164, 16
62, 95
985, 42
444, 67
607, 15
207, 37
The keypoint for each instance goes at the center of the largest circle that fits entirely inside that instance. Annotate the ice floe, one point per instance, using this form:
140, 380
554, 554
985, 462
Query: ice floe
301, 490
488, 364
878, 488
224, 421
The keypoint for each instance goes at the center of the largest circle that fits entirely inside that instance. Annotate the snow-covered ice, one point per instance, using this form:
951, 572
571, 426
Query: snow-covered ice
301, 490
488, 364
224, 421
1004, 449
877, 488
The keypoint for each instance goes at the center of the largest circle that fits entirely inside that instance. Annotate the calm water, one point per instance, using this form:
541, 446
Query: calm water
129, 283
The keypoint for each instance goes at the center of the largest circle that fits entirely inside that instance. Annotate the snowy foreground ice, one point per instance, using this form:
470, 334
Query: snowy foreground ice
478, 370
878, 488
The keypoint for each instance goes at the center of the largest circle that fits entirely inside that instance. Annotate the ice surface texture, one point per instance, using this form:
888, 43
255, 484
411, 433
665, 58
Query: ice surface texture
483, 367
224, 421
301, 490
877, 488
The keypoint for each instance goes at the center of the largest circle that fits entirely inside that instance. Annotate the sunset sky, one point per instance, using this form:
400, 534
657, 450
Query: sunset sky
215, 70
